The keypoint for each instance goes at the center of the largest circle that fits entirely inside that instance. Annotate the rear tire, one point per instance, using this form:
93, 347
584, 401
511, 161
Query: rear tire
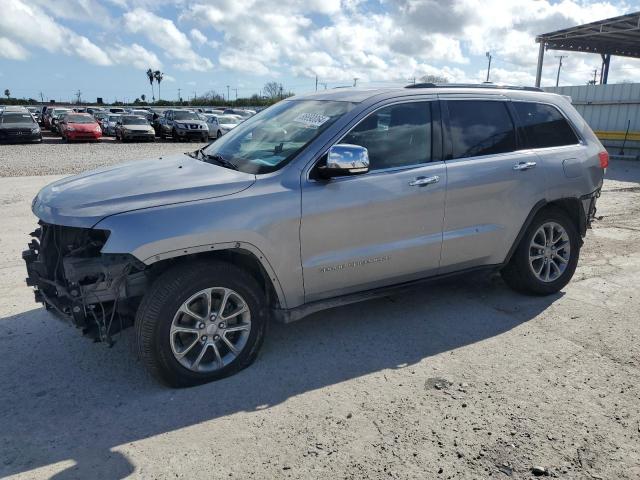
547, 255
161, 312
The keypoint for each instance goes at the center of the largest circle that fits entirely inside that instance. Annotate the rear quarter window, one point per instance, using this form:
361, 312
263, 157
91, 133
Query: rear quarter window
544, 126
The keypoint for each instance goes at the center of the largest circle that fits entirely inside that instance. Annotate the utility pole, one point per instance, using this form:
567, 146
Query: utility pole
325, 84
179, 96
78, 95
595, 77
316, 83
355, 81
489, 66
41, 97
236, 90
228, 98
413, 80
559, 68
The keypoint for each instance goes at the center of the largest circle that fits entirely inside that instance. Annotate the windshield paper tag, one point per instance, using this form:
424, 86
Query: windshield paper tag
311, 119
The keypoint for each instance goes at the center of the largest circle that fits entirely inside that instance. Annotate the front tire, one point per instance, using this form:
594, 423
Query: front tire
200, 322
547, 256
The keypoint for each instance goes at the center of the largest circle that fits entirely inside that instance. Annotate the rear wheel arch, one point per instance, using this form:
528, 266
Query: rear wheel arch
572, 206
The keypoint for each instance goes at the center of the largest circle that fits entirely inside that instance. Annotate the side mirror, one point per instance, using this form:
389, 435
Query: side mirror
344, 159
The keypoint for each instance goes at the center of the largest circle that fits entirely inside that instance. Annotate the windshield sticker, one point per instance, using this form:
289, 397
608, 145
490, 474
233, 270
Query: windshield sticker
313, 120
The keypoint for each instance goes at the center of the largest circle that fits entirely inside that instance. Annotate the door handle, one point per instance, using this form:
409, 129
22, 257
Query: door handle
424, 181
524, 165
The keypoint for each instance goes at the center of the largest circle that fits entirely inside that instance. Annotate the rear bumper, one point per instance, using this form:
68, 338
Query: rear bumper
589, 208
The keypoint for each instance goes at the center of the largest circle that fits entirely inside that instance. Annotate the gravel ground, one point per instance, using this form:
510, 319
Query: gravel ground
54, 157
460, 380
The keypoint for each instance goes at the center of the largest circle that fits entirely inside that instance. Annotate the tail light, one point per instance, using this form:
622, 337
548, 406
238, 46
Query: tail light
604, 159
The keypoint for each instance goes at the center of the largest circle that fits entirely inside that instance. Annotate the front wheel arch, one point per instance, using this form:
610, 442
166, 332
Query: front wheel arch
252, 262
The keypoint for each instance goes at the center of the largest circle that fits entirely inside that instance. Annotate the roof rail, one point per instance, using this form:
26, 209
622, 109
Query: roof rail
473, 85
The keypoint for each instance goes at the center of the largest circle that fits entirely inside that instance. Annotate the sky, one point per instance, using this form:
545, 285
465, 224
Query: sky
104, 47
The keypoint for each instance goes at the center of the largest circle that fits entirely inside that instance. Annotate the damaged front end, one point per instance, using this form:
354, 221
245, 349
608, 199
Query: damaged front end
96, 292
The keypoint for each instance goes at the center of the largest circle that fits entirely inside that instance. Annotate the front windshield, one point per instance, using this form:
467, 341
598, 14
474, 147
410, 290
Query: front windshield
16, 118
185, 116
133, 121
80, 119
114, 118
270, 139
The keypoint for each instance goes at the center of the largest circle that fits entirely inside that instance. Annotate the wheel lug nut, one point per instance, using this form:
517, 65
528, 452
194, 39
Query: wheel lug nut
216, 337
222, 325
203, 338
201, 325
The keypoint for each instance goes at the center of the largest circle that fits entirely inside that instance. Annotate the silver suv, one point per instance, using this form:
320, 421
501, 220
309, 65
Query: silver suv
317, 201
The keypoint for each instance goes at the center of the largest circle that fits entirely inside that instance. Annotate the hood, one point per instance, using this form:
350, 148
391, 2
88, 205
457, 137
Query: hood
29, 125
190, 122
83, 200
138, 128
83, 127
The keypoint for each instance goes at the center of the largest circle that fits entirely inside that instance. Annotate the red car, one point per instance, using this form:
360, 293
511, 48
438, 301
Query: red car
80, 126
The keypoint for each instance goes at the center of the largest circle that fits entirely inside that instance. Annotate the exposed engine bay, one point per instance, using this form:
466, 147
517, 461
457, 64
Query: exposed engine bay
96, 292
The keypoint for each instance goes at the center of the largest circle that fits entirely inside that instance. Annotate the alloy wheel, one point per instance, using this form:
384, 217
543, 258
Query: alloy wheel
210, 329
549, 252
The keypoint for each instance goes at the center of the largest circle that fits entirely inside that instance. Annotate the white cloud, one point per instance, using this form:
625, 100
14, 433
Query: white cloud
11, 50
197, 36
135, 55
30, 25
163, 33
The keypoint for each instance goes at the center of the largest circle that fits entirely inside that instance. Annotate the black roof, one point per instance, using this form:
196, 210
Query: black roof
613, 36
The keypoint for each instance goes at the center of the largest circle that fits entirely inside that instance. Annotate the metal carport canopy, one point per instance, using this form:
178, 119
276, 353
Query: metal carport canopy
614, 36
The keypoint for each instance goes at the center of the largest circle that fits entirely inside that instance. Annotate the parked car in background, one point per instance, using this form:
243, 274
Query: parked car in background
228, 122
215, 130
18, 126
56, 115
35, 111
183, 125
100, 115
43, 112
109, 124
79, 126
134, 127
116, 110
244, 114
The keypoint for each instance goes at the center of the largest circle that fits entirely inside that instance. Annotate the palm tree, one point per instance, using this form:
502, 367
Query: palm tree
7, 93
159, 76
143, 97
151, 77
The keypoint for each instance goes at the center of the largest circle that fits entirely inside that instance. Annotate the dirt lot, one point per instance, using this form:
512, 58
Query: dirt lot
465, 379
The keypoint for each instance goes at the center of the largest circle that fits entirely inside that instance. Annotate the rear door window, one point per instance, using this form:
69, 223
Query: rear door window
480, 127
544, 126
